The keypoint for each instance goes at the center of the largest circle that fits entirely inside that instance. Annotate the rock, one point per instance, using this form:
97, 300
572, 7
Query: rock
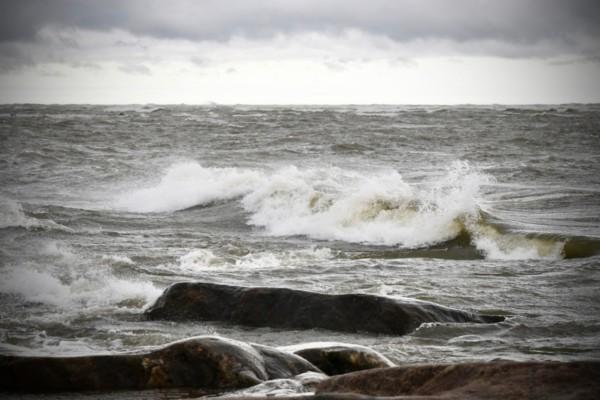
281, 364
504, 380
297, 309
200, 362
339, 358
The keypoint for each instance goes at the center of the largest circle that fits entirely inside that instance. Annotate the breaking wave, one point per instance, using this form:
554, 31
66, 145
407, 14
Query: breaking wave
186, 185
13, 216
66, 280
377, 208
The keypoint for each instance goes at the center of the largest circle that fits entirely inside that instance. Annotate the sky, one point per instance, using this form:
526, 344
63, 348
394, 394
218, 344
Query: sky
300, 51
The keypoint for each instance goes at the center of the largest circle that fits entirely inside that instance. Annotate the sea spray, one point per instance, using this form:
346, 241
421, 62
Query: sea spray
188, 184
12, 215
369, 207
376, 207
58, 275
199, 261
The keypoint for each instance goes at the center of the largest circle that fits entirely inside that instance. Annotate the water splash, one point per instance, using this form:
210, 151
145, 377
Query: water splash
366, 207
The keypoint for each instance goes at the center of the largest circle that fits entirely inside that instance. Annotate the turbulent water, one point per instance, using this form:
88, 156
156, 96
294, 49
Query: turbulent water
487, 209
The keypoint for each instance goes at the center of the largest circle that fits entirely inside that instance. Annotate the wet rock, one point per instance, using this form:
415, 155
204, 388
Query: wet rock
297, 309
504, 380
282, 364
200, 362
339, 358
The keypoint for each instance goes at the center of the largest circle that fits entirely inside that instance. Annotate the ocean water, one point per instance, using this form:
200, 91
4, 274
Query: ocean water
490, 209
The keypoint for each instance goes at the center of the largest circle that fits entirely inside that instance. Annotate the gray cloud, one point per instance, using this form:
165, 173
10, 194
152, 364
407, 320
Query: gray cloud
460, 20
504, 28
12, 57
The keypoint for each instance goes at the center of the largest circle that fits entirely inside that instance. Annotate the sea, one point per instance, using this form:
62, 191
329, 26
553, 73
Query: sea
491, 209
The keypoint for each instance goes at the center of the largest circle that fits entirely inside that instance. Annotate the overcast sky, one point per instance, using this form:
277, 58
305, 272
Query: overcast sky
300, 51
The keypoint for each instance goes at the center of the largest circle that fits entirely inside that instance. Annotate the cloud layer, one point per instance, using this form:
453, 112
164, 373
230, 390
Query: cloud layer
41, 39
571, 26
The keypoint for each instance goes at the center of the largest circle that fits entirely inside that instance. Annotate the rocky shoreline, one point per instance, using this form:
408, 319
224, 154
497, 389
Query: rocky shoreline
228, 368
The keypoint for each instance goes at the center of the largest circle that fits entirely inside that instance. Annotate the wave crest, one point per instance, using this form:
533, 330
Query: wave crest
13, 216
188, 184
379, 208
374, 208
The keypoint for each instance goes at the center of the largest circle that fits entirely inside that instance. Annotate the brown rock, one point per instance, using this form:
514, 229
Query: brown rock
282, 364
297, 309
494, 380
200, 362
339, 358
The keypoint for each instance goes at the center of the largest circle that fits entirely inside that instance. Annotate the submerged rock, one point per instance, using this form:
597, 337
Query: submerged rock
200, 362
339, 358
504, 380
298, 309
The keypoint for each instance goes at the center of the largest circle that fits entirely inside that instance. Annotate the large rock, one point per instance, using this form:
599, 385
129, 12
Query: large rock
297, 309
339, 358
494, 380
200, 362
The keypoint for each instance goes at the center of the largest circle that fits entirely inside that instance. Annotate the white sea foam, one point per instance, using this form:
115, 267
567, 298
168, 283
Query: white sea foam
372, 207
200, 260
188, 184
12, 215
378, 208
86, 291
43, 344
116, 259
35, 286
286, 259
57, 275
517, 247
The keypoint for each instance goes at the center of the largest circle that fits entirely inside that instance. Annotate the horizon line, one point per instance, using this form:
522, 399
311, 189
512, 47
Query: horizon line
212, 104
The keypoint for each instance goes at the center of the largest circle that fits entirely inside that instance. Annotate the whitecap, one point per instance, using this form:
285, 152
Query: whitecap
201, 260
371, 207
188, 184
13, 216
55, 274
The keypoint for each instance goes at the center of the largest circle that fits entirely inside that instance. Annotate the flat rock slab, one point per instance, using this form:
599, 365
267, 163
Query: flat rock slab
493, 380
298, 309
201, 362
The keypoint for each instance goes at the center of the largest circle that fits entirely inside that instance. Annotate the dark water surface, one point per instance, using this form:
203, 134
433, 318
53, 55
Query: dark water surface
489, 209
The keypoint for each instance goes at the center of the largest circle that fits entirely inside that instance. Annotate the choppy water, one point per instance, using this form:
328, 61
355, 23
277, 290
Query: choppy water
490, 209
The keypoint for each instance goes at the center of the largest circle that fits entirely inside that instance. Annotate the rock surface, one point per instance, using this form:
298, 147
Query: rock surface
339, 358
297, 309
494, 380
282, 364
200, 362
